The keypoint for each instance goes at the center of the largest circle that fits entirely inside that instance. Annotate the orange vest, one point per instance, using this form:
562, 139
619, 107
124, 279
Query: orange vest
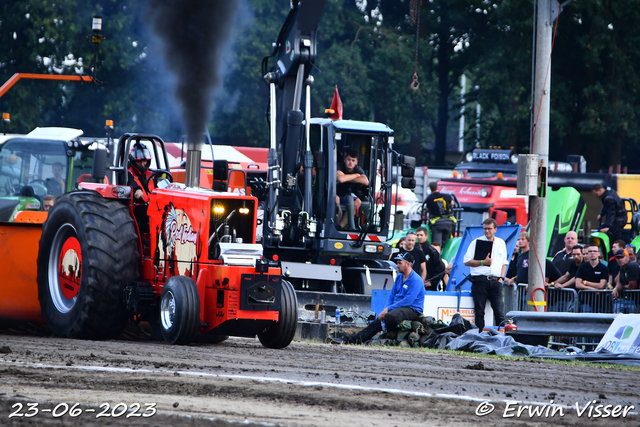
146, 189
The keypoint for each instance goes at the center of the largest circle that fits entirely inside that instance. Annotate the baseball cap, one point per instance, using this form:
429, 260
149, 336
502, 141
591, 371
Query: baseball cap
405, 256
621, 253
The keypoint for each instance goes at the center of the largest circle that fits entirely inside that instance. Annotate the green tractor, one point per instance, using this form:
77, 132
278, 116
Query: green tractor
45, 162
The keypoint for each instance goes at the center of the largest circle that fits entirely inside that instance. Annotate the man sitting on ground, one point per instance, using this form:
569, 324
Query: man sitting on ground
405, 302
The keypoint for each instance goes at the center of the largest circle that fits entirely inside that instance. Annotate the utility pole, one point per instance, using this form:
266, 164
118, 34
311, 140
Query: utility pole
463, 84
540, 146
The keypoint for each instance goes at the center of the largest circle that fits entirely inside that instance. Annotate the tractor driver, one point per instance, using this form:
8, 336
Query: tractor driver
351, 179
138, 177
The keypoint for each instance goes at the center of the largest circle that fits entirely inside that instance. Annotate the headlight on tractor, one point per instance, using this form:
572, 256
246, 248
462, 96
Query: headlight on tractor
370, 249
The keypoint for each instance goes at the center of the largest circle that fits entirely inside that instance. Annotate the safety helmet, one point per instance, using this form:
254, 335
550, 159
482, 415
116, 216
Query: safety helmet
140, 152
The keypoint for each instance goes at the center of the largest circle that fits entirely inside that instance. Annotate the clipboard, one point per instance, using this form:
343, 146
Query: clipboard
483, 248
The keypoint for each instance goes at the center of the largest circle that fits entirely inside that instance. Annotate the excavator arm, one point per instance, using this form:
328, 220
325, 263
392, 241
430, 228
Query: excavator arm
295, 53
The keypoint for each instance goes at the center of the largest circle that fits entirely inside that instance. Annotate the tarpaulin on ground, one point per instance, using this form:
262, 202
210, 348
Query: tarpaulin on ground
461, 335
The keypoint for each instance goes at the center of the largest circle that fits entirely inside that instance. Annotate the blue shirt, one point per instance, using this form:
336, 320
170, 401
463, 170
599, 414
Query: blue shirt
408, 293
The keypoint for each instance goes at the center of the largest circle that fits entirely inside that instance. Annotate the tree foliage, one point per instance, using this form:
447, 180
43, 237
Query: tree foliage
367, 49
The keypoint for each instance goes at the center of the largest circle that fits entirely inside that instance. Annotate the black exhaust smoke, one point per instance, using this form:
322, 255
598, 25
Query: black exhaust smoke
194, 34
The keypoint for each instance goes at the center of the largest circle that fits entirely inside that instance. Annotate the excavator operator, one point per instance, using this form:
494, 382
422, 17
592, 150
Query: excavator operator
139, 173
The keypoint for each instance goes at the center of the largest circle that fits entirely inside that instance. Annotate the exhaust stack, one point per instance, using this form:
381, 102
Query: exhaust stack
192, 172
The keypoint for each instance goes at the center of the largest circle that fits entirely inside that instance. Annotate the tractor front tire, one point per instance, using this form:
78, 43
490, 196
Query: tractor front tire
179, 310
281, 334
88, 254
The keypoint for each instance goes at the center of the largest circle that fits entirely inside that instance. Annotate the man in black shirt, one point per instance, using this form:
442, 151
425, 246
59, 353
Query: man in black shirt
551, 272
628, 275
568, 279
632, 253
592, 274
512, 269
351, 180
613, 211
441, 217
612, 265
435, 266
562, 259
419, 260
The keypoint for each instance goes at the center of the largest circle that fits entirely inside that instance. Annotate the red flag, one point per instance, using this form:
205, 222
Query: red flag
336, 106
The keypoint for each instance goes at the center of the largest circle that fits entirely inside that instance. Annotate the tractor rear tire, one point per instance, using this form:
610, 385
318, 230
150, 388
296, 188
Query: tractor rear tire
88, 254
281, 334
179, 310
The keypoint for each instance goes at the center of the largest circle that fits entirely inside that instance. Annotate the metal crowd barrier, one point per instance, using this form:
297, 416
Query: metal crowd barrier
564, 300
573, 317
558, 300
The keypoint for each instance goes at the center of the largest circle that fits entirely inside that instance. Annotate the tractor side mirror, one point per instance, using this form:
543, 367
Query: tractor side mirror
220, 175
409, 183
408, 165
99, 165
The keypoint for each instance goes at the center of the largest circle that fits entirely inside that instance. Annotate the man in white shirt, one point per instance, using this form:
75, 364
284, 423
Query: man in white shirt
487, 275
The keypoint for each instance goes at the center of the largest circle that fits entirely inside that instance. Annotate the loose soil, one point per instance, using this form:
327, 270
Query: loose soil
305, 384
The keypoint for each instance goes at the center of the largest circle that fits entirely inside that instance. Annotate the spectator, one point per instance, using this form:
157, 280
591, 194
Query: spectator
613, 211
585, 255
601, 257
562, 259
568, 279
405, 302
48, 201
592, 274
441, 219
398, 247
512, 270
551, 272
632, 253
445, 278
419, 260
628, 274
486, 275
351, 180
612, 265
435, 266
618, 244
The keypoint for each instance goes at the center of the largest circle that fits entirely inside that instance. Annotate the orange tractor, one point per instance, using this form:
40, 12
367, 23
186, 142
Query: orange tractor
186, 261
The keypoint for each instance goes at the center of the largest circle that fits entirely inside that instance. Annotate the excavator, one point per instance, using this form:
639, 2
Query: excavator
301, 227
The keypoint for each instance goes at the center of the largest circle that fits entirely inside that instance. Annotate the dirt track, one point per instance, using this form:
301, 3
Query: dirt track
305, 384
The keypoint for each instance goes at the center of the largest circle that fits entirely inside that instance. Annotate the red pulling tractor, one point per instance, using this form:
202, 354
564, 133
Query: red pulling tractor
187, 261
